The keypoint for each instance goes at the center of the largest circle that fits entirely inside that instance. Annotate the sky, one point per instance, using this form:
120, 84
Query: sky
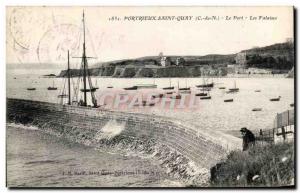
43, 35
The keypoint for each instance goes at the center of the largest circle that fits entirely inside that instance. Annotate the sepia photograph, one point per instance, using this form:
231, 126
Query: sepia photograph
150, 97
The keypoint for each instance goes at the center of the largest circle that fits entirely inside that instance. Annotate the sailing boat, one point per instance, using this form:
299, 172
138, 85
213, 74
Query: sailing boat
86, 76
145, 86
96, 86
185, 88
52, 88
204, 85
203, 89
170, 87
131, 88
177, 96
64, 95
235, 89
206, 97
31, 88
275, 99
93, 89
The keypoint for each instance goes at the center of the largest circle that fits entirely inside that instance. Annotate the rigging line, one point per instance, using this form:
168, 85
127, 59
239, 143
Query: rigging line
79, 80
77, 86
91, 42
61, 89
78, 46
74, 87
64, 86
90, 84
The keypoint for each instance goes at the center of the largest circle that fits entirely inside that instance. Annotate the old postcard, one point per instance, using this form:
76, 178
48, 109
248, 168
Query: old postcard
150, 96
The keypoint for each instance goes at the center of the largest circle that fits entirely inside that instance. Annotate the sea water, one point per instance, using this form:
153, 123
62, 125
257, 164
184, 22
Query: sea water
38, 159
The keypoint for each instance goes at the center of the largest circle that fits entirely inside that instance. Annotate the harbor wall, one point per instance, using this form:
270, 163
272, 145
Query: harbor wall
84, 125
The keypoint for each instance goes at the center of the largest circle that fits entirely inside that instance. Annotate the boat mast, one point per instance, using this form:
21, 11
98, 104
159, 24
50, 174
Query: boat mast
84, 63
69, 82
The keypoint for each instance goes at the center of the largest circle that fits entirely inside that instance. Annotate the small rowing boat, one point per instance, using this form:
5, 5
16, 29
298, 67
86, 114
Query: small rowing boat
257, 109
131, 88
205, 97
201, 94
275, 99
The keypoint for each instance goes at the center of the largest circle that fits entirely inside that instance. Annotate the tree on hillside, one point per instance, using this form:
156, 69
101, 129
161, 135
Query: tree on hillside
280, 62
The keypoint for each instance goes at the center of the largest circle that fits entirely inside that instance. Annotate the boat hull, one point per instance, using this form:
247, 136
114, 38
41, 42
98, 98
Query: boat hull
201, 94
205, 98
51, 88
278, 99
205, 85
184, 89
168, 88
131, 88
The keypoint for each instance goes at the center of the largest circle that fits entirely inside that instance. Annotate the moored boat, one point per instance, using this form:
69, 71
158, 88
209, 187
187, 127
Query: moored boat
234, 89
31, 88
205, 97
131, 88
228, 100
62, 96
169, 87
257, 109
275, 99
89, 89
145, 86
210, 85
201, 94
185, 88
170, 92
52, 87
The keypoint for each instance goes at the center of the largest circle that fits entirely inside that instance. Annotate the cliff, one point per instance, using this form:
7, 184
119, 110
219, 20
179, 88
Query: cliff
131, 71
277, 56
